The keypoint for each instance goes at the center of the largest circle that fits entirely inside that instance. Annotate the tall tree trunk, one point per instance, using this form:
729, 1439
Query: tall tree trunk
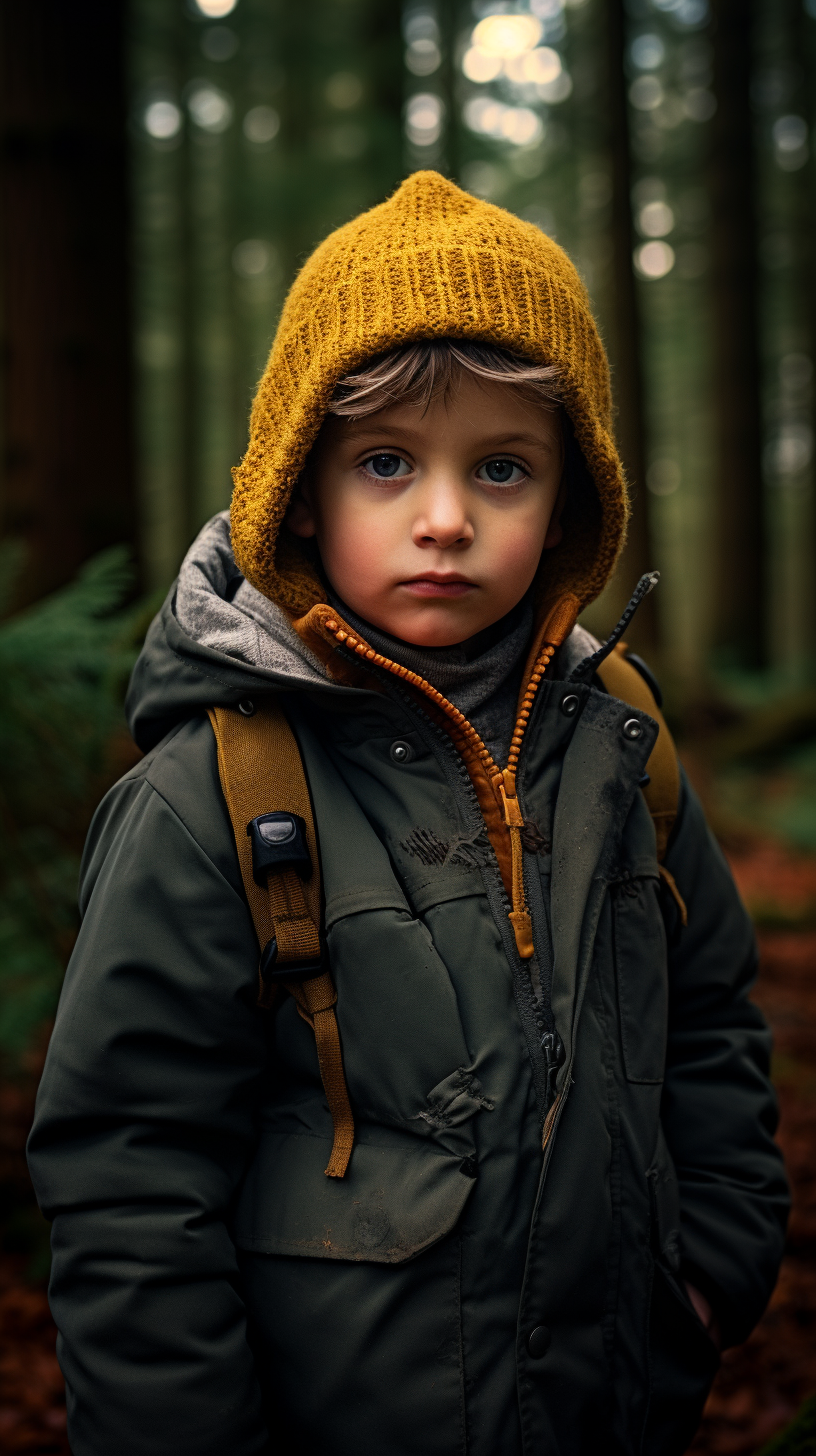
68, 476
452, 16
804, 41
741, 587
626, 338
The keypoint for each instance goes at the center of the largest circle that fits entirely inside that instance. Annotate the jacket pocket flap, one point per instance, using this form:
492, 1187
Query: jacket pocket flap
393, 1202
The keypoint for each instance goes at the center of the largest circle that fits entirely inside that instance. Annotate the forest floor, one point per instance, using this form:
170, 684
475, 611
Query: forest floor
760, 1385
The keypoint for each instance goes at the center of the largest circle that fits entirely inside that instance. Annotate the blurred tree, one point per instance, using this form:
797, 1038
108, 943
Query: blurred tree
257, 128
67, 486
782, 81
741, 606
626, 333
805, 47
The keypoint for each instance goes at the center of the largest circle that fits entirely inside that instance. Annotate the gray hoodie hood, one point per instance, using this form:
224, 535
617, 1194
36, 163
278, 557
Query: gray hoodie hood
217, 640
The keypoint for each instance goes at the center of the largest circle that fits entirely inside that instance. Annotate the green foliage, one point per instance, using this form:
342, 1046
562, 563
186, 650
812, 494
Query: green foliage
798, 1438
63, 664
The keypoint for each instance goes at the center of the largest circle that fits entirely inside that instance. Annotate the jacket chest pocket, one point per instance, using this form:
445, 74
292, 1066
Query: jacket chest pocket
639, 939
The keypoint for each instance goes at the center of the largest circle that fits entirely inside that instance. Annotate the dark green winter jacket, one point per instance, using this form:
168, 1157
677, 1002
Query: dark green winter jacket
458, 1291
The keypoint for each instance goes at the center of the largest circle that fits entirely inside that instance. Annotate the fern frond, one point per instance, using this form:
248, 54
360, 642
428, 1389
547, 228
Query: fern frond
64, 663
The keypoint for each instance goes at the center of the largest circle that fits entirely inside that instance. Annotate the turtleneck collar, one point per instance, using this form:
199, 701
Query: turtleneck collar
481, 676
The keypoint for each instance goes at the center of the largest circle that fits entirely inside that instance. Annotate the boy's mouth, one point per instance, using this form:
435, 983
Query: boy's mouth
438, 584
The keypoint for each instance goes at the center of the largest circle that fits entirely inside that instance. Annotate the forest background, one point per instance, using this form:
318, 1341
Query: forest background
166, 166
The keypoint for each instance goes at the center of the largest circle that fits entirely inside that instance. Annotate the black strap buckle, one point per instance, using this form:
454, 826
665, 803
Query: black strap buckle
278, 843
273, 970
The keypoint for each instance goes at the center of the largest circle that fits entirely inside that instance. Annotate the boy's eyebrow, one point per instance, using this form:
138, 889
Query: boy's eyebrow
513, 439
363, 427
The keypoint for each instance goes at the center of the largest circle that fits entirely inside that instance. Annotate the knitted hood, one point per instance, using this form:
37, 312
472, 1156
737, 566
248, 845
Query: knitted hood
431, 262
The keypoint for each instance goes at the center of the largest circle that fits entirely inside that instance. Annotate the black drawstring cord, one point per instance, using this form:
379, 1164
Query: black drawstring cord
583, 672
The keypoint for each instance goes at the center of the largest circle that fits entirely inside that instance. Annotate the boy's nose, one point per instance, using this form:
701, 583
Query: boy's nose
443, 518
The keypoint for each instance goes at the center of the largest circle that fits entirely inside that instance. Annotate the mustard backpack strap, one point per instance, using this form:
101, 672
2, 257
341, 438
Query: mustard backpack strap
662, 793
261, 772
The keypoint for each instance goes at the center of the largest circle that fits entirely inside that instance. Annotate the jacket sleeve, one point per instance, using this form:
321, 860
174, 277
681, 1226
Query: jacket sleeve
144, 1126
719, 1110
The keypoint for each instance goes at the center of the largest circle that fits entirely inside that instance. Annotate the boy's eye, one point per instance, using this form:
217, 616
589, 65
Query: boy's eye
386, 466
501, 472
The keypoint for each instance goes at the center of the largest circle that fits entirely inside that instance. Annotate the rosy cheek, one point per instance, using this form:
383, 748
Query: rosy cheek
517, 552
356, 548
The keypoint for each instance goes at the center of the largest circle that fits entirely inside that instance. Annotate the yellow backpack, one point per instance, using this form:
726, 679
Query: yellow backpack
262, 777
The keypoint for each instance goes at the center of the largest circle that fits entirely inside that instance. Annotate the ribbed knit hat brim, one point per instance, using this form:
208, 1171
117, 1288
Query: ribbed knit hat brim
431, 262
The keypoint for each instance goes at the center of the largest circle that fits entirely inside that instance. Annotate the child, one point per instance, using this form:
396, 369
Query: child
562, 1191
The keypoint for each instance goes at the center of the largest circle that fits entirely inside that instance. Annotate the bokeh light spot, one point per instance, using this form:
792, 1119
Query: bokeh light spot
691, 12
647, 52
516, 124
424, 115
654, 260
663, 477
261, 124
791, 451
687, 12
216, 9
480, 65
210, 108
251, 258
790, 139
162, 120
555, 91
655, 220
646, 93
507, 35
423, 56
542, 66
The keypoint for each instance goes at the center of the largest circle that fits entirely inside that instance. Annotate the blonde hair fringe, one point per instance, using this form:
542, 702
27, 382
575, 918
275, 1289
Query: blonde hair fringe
416, 373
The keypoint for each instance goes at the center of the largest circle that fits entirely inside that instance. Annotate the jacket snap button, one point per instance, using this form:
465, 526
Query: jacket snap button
538, 1342
247, 707
632, 728
401, 752
569, 705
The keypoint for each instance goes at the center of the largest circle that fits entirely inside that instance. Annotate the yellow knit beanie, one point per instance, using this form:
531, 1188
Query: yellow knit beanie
431, 262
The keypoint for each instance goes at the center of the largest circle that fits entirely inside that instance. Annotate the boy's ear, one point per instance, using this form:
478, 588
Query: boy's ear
299, 513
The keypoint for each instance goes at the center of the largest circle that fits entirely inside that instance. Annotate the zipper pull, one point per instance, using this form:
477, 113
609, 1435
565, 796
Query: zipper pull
554, 1054
583, 672
513, 817
523, 931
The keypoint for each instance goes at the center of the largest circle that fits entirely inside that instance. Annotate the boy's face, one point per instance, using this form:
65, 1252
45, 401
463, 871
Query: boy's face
431, 525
